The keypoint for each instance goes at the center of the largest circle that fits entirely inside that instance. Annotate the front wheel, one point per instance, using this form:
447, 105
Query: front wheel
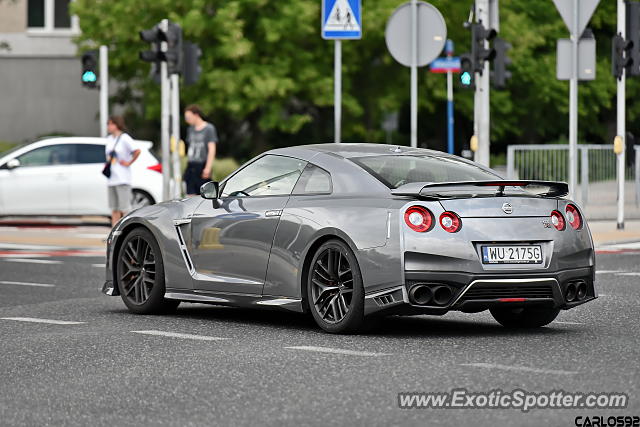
524, 317
140, 274
335, 290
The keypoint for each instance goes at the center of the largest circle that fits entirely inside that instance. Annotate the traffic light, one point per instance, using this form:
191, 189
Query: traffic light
479, 34
633, 37
172, 35
501, 63
467, 71
191, 61
620, 55
90, 69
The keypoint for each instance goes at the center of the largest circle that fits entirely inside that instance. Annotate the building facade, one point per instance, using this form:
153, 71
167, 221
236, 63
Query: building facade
40, 87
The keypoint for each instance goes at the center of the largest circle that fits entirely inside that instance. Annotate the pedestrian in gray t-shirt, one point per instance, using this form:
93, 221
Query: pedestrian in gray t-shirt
201, 140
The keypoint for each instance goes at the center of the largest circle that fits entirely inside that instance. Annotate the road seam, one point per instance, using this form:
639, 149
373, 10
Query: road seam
336, 351
519, 368
40, 285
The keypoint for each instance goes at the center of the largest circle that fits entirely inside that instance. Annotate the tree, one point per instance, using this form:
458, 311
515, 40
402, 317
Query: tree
268, 76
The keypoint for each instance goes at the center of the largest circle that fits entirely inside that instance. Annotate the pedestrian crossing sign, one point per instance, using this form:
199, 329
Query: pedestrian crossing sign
341, 19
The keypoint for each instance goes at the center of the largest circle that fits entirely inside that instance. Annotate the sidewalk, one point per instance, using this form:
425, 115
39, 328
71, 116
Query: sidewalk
605, 232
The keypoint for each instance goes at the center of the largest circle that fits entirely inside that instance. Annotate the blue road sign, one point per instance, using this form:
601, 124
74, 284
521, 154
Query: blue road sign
341, 19
444, 64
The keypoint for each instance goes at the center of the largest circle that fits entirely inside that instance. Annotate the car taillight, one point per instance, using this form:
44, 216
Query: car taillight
156, 168
557, 220
419, 219
574, 217
450, 222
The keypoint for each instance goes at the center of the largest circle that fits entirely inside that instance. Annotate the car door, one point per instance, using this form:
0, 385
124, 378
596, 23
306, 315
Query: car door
88, 187
40, 184
231, 237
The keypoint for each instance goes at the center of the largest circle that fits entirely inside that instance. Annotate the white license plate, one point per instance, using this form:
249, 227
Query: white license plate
529, 254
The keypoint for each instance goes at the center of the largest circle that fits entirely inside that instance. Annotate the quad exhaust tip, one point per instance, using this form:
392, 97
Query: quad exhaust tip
422, 294
576, 291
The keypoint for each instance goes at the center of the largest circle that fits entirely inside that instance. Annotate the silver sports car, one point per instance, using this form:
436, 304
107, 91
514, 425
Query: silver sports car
350, 231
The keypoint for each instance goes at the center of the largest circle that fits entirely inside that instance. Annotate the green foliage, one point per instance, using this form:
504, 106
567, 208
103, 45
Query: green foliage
6, 146
268, 76
223, 168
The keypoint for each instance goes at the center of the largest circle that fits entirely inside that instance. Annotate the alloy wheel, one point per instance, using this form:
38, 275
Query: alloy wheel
138, 270
332, 285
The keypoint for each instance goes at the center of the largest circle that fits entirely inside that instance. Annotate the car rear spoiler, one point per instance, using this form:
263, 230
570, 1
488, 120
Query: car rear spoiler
447, 190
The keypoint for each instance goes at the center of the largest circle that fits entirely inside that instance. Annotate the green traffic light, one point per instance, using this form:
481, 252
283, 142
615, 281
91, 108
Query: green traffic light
465, 78
89, 77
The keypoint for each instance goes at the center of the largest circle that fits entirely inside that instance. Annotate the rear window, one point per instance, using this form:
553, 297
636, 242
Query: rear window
394, 171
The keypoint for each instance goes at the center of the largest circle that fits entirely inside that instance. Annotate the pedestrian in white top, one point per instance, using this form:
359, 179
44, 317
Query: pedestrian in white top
120, 152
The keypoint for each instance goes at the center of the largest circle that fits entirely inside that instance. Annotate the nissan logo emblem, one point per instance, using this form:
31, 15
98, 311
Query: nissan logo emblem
507, 208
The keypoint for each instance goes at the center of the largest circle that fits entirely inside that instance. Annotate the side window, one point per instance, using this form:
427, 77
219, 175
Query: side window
270, 175
89, 153
314, 180
50, 155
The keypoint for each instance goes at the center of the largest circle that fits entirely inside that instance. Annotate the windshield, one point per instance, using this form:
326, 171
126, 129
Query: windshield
394, 171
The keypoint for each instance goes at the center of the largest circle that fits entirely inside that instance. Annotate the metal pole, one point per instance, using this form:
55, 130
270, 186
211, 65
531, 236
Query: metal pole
483, 92
175, 134
621, 122
573, 104
637, 174
450, 118
584, 172
414, 73
165, 117
104, 89
337, 90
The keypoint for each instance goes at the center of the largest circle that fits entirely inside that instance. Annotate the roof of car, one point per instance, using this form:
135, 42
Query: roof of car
350, 150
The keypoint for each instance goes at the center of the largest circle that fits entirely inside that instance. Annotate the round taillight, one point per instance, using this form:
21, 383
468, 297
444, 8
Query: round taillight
450, 222
557, 220
419, 219
573, 217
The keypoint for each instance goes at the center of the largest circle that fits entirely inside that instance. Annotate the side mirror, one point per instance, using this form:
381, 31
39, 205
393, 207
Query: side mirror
13, 163
210, 190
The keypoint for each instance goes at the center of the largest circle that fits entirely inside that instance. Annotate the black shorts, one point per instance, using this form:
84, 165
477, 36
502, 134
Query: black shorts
193, 177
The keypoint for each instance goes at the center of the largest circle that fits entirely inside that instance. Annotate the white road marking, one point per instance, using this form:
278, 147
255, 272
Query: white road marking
36, 320
519, 368
9, 257
336, 351
609, 271
177, 335
40, 285
99, 265
628, 274
568, 323
35, 261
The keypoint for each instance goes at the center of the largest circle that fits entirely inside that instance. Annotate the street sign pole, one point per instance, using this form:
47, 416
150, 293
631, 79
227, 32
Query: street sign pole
175, 134
414, 73
337, 90
165, 117
573, 103
621, 118
104, 90
450, 118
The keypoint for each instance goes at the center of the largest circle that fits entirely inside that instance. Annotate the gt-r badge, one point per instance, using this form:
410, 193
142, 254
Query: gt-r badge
507, 208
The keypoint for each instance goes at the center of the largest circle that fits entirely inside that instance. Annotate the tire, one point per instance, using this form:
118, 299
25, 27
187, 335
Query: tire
336, 292
140, 198
141, 283
524, 317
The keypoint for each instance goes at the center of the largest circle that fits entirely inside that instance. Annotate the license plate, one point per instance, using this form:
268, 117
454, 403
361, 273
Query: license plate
530, 254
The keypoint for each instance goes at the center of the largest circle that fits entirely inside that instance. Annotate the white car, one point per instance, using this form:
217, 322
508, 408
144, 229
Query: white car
63, 176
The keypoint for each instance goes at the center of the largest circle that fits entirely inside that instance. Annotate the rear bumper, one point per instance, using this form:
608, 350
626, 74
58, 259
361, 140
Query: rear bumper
477, 292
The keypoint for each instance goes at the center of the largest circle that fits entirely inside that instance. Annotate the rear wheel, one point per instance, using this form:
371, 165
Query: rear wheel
140, 199
140, 274
524, 317
334, 288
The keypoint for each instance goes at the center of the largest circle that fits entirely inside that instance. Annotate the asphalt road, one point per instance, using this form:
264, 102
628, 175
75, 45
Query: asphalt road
239, 367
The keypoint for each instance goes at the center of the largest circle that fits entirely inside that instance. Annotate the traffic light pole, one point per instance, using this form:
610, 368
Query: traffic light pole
482, 98
104, 90
165, 116
621, 118
175, 134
